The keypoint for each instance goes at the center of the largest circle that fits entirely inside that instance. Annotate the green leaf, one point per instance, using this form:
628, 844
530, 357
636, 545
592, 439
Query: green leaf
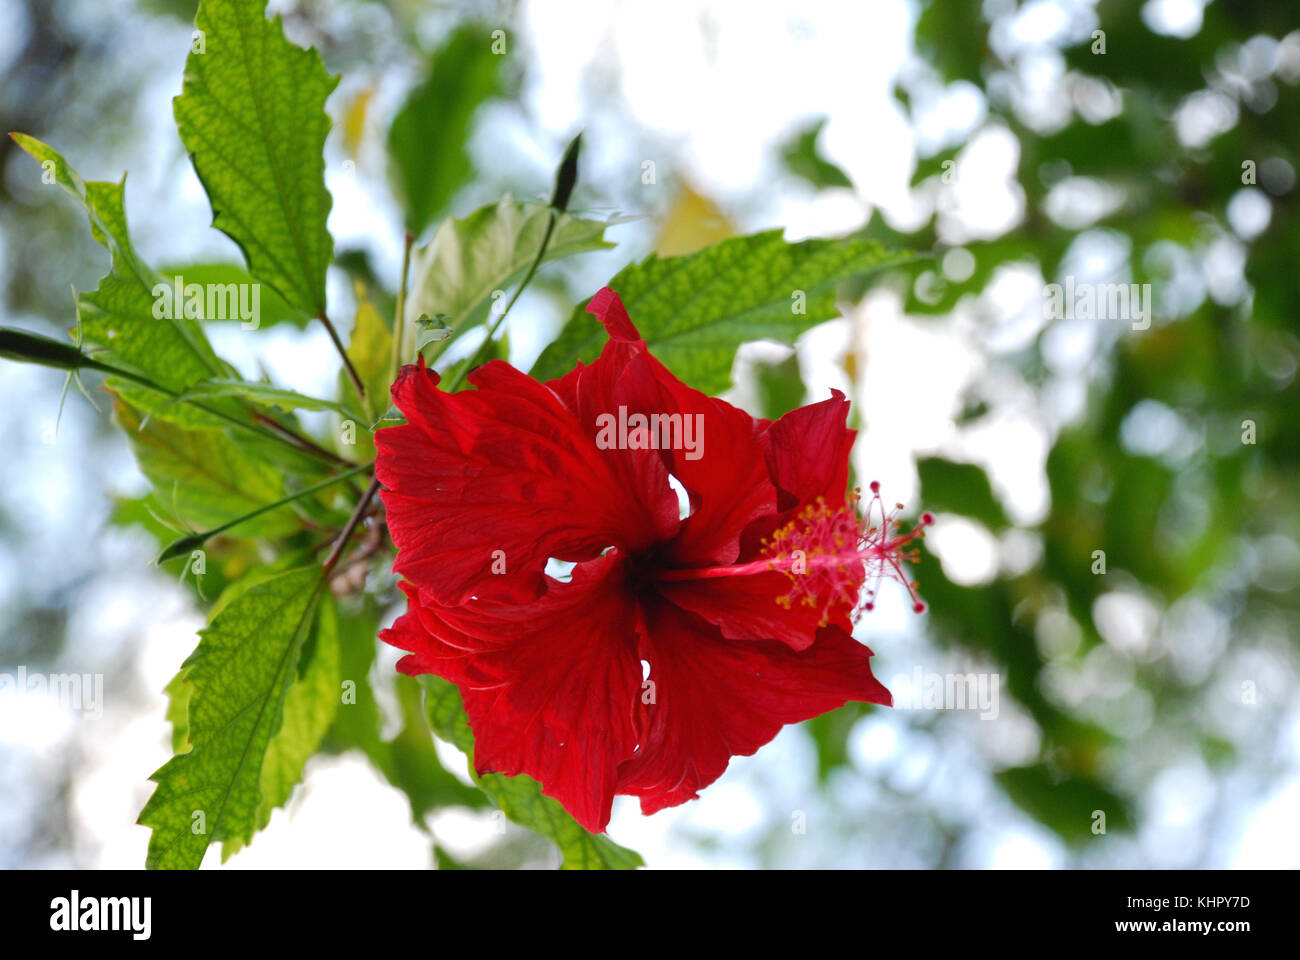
1065, 803
934, 38
119, 314
426, 143
309, 708
240, 674
470, 259
178, 711
252, 115
206, 476
371, 352
780, 387
802, 158
520, 798
107, 220
959, 488
695, 310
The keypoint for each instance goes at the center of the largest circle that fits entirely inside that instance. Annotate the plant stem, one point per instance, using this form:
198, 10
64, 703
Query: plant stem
532, 268
26, 347
187, 543
363, 505
283, 436
298, 440
399, 320
347, 363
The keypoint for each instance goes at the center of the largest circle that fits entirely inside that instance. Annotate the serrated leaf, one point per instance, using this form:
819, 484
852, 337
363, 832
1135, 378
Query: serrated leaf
252, 115
426, 142
106, 223
520, 798
118, 315
694, 311
240, 674
178, 711
470, 259
207, 477
309, 708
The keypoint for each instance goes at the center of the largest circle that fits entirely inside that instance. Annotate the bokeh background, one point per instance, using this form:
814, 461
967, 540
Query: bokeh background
995, 134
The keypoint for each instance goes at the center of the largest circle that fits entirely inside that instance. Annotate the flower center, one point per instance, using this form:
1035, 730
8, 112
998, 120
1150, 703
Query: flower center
827, 553
642, 569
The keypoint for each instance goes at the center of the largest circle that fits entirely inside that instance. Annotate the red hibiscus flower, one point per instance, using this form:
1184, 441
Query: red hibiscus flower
679, 642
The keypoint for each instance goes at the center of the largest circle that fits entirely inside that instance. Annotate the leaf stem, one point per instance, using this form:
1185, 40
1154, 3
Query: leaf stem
26, 347
298, 440
566, 176
363, 505
399, 319
281, 434
185, 544
474, 359
347, 363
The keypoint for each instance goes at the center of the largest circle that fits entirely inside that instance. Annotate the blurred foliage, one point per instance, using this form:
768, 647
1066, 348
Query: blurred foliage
803, 159
690, 224
1158, 470
426, 142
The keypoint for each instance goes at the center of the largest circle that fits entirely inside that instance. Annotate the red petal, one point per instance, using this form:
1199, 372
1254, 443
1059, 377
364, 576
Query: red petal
808, 452
729, 485
746, 608
717, 698
723, 468
609, 310
549, 688
505, 474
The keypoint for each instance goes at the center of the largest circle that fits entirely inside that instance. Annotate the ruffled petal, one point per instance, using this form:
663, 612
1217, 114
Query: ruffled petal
807, 455
550, 687
715, 698
808, 452
483, 486
727, 479
714, 449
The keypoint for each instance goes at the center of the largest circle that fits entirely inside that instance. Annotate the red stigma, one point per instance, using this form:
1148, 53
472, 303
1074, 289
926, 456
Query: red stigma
828, 553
